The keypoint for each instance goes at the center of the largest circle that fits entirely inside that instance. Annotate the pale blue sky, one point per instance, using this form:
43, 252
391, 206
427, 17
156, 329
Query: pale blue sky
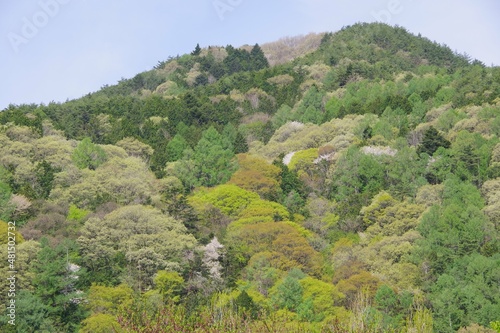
53, 50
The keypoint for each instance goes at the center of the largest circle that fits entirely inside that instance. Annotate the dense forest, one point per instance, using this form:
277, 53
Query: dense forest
337, 182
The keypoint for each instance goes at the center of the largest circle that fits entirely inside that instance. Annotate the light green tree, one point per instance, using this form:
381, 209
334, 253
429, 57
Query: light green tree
88, 155
145, 239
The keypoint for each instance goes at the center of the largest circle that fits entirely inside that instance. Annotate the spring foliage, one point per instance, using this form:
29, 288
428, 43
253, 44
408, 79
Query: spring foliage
355, 188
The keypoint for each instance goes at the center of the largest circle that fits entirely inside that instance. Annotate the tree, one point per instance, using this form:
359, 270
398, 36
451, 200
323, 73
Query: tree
287, 294
355, 179
6, 208
197, 50
137, 239
26, 256
175, 148
169, 285
431, 141
325, 298
405, 173
101, 323
109, 300
88, 155
32, 315
245, 304
284, 239
311, 109
289, 181
56, 284
455, 229
122, 181
136, 148
256, 175
230, 199
45, 176
466, 294
211, 163
259, 60
471, 156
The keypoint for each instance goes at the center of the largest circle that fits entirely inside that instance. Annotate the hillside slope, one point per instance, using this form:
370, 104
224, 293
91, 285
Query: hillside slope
349, 184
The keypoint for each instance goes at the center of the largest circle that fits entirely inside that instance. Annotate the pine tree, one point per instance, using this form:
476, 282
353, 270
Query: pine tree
259, 60
197, 50
432, 141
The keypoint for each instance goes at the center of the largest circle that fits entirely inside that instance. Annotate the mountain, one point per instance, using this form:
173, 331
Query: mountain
335, 182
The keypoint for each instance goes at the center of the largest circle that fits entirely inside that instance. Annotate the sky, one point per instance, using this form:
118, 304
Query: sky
54, 50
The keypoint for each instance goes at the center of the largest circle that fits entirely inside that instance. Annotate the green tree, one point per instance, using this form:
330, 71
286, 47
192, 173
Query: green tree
259, 60
6, 209
56, 284
356, 178
45, 175
197, 50
287, 294
101, 323
212, 161
169, 284
175, 148
431, 141
88, 155
245, 304
32, 315
405, 173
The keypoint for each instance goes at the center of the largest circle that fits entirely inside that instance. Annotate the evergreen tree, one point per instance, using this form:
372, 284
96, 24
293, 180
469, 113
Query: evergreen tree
55, 285
176, 147
213, 158
432, 141
259, 60
45, 176
197, 50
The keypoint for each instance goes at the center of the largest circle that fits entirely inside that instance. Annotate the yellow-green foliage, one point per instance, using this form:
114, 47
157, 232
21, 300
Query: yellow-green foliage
257, 175
169, 88
101, 323
77, 214
169, 284
326, 298
110, 300
137, 232
265, 208
235, 225
288, 48
389, 240
281, 237
7, 231
136, 148
230, 199
281, 80
373, 212
302, 159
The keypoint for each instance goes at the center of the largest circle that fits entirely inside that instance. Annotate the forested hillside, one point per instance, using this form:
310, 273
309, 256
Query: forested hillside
349, 184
